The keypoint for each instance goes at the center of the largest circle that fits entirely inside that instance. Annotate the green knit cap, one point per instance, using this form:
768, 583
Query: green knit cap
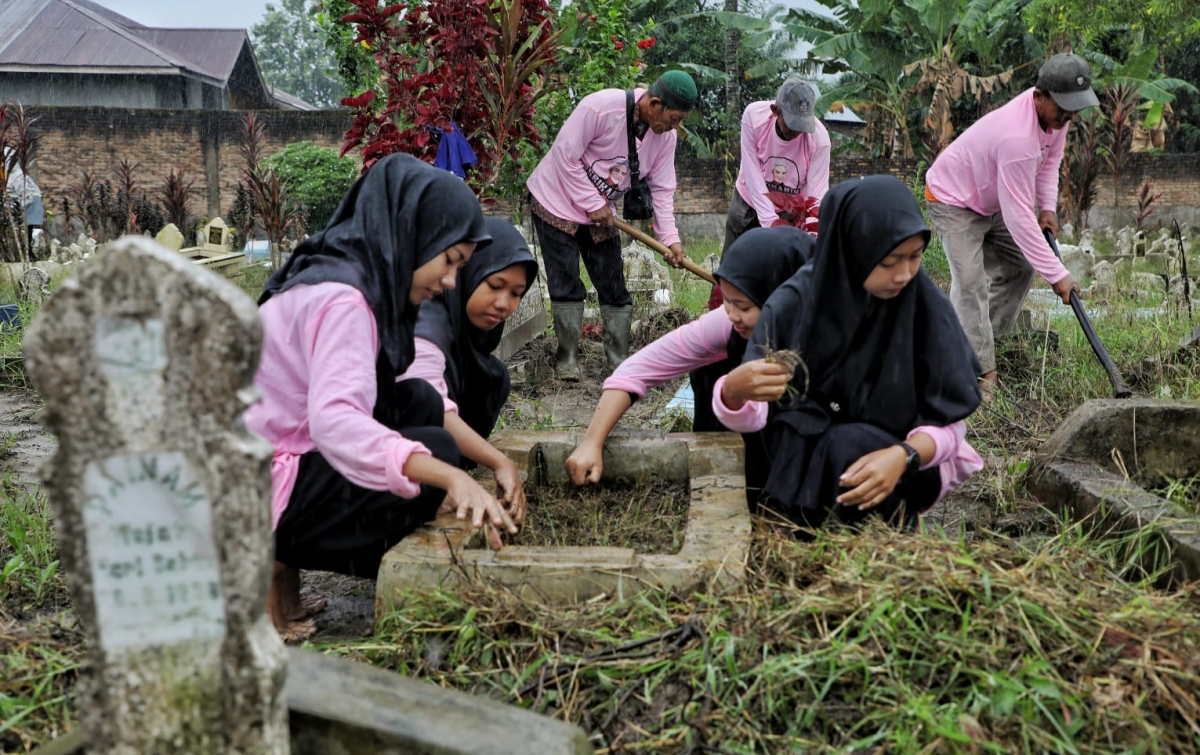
677, 90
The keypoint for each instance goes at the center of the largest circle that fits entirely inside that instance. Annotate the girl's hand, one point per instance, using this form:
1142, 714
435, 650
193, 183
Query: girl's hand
758, 380
586, 463
468, 496
508, 483
872, 478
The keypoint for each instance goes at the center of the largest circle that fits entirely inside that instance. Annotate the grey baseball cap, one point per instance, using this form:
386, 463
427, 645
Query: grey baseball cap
796, 100
1068, 79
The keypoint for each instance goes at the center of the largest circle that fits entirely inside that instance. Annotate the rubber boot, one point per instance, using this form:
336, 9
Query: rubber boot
617, 323
568, 320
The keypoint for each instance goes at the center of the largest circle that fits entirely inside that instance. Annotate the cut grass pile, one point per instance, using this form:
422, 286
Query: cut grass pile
649, 517
875, 642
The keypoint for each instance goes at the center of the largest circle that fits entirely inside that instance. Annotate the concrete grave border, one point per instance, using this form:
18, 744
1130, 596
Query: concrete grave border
1081, 469
716, 539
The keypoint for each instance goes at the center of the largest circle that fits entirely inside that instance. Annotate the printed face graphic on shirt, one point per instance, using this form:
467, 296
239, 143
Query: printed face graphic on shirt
781, 174
610, 176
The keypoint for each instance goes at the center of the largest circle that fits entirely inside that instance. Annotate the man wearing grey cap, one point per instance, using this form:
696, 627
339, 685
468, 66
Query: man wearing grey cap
785, 150
990, 194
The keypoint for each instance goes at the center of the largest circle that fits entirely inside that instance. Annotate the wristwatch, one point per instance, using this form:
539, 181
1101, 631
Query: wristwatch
912, 464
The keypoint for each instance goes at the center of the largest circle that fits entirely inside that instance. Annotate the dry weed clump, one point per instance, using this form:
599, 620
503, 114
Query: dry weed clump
649, 516
871, 642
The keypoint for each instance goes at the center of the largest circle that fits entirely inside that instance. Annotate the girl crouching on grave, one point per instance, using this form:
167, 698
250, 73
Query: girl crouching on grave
455, 336
873, 418
709, 346
360, 459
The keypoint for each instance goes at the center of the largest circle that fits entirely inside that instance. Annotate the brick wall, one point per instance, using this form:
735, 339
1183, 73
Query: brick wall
203, 143
1176, 177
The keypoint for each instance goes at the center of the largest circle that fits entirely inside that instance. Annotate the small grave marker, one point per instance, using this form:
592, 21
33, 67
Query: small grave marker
214, 237
161, 503
170, 237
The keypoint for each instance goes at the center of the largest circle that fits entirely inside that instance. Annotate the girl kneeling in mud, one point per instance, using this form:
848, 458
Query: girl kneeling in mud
709, 346
874, 418
455, 337
361, 460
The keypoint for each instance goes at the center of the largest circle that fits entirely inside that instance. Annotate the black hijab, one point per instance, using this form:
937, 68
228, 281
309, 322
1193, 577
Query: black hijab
394, 219
893, 363
478, 382
758, 262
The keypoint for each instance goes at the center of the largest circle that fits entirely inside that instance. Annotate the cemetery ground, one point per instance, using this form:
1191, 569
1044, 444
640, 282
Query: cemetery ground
1001, 626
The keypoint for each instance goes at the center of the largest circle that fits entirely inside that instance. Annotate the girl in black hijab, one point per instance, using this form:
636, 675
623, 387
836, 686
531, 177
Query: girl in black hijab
456, 335
753, 266
888, 376
361, 460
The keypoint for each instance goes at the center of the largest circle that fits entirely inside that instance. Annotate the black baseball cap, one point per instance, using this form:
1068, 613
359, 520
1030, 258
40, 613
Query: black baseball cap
1068, 79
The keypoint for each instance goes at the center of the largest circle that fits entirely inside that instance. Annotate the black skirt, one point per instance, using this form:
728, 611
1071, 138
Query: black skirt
802, 483
331, 524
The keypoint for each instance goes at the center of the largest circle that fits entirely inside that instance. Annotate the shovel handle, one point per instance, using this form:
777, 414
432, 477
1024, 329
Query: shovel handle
657, 246
1120, 390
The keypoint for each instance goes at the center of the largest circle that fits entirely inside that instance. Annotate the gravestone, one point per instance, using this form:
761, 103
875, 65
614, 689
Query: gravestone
35, 286
170, 237
160, 504
530, 318
645, 275
214, 237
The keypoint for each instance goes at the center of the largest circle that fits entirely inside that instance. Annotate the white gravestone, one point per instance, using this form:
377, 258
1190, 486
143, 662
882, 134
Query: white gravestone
170, 237
162, 507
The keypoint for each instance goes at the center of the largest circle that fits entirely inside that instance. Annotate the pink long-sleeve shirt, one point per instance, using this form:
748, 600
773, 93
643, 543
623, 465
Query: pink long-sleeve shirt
588, 164
799, 166
954, 457
317, 379
429, 364
1005, 162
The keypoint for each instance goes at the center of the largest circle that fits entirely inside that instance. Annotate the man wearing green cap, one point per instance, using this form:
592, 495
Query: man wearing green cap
573, 194
990, 194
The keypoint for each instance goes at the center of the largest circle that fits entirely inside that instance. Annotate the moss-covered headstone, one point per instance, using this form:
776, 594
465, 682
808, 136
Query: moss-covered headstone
161, 502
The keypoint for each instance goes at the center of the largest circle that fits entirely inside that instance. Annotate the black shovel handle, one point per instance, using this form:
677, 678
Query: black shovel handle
1120, 390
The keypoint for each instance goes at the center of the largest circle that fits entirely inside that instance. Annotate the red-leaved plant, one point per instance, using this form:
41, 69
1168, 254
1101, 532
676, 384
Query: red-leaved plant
478, 63
796, 210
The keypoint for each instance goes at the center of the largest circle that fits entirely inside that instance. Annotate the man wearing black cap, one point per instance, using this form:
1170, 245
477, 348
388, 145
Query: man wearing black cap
573, 194
785, 151
990, 194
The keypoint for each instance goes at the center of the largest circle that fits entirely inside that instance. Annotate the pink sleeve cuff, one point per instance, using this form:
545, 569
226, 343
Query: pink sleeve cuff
751, 418
397, 482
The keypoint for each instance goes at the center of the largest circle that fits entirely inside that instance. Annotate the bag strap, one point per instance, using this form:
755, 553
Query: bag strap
633, 155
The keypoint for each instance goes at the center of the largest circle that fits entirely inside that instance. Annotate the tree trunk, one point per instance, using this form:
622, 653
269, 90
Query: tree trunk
733, 99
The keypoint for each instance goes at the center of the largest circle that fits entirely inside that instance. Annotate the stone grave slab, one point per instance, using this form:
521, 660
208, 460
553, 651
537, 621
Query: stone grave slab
1100, 461
715, 545
525, 324
212, 250
170, 237
158, 498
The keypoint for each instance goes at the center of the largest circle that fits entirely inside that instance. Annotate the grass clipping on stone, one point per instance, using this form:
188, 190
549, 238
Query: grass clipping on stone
872, 642
649, 516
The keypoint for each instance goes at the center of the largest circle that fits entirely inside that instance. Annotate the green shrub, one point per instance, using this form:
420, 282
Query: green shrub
314, 176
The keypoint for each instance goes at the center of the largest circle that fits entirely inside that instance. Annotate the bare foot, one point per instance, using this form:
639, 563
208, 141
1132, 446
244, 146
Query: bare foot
307, 607
298, 631
287, 610
988, 385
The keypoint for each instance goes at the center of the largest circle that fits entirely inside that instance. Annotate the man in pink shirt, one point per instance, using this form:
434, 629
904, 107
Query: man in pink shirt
572, 195
990, 194
785, 151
